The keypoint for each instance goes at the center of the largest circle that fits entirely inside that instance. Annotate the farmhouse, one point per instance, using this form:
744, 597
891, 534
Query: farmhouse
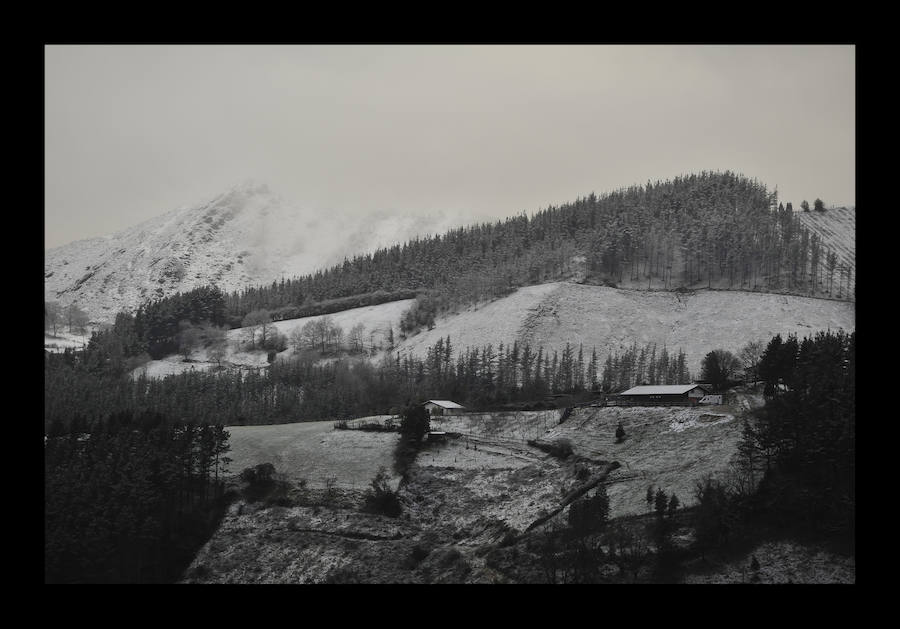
444, 407
660, 395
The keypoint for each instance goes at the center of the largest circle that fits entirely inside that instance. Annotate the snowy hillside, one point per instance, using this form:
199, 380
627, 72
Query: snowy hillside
837, 229
247, 235
377, 322
610, 319
551, 315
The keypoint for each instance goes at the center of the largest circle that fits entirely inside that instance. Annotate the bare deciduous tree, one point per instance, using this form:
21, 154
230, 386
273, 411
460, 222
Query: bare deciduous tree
357, 338
52, 315
215, 341
750, 356
297, 338
322, 334
217, 352
76, 319
335, 335
257, 321
188, 338
309, 335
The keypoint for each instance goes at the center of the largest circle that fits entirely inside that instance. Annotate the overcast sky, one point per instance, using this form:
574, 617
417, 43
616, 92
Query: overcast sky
135, 131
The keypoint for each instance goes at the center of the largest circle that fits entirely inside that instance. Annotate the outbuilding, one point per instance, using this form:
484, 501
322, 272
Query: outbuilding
444, 407
660, 395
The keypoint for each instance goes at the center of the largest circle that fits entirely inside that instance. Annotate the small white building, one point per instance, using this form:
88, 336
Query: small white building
444, 407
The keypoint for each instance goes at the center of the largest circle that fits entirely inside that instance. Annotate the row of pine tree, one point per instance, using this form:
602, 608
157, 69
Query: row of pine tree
305, 389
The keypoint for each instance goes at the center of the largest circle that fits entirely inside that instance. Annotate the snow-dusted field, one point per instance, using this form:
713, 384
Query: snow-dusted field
64, 340
606, 318
168, 366
313, 451
837, 228
465, 492
610, 319
668, 447
493, 323
376, 320
672, 448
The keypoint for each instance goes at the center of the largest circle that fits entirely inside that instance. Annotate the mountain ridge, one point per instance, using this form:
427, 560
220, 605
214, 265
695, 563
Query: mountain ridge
682, 234
244, 236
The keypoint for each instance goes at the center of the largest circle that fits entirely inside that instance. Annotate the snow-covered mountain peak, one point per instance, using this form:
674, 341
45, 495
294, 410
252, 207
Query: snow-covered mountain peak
244, 236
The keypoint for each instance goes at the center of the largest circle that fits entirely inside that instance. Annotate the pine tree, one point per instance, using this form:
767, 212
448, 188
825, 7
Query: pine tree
579, 370
592, 371
554, 376
674, 503
661, 502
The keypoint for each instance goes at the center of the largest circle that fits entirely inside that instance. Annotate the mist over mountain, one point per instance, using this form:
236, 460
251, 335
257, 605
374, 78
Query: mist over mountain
245, 236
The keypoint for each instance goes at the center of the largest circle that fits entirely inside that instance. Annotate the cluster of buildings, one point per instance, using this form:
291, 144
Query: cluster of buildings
645, 395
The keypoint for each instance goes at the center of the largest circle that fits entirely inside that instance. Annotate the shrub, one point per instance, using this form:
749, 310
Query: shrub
562, 448
279, 495
420, 314
248, 475
414, 423
331, 492
404, 456
275, 341
375, 427
418, 553
380, 498
343, 574
258, 475
263, 484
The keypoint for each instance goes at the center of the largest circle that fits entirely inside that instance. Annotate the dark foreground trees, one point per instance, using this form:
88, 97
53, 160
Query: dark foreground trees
809, 429
130, 499
801, 444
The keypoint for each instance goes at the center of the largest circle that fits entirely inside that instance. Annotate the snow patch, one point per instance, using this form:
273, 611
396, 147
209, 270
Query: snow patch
686, 422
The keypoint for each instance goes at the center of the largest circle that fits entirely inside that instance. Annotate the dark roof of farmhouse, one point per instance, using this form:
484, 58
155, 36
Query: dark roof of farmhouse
662, 389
